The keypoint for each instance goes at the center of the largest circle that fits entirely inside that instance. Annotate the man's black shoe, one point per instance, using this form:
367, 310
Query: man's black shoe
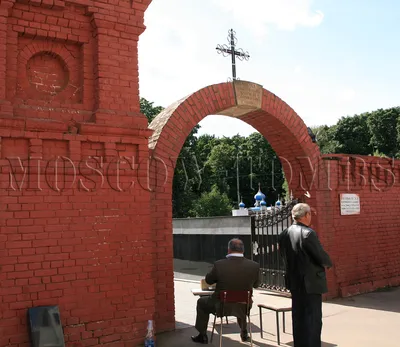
200, 339
245, 336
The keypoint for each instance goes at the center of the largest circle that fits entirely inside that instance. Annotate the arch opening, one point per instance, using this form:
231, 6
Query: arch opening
246, 101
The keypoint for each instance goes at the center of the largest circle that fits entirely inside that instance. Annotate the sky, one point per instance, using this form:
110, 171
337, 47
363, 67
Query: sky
325, 58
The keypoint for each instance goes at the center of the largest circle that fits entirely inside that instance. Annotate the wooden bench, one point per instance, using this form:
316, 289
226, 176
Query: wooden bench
276, 310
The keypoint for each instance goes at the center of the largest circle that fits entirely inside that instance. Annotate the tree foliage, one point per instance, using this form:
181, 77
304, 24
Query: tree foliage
185, 170
383, 128
352, 135
185, 179
213, 203
149, 110
325, 138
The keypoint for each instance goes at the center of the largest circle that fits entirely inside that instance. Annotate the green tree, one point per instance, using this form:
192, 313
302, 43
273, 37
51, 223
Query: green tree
185, 175
205, 176
186, 178
398, 138
285, 188
251, 160
221, 161
213, 203
384, 133
149, 110
352, 135
222, 156
325, 138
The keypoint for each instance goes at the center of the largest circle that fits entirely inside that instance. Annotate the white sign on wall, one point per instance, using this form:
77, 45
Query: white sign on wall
349, 204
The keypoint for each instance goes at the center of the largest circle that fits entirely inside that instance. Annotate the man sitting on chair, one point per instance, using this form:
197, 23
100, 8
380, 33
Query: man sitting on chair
233, 273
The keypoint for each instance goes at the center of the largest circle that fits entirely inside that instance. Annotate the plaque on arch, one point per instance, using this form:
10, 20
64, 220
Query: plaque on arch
45, 327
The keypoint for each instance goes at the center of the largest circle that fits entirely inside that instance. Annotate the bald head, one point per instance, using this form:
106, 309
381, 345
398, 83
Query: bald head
235, 246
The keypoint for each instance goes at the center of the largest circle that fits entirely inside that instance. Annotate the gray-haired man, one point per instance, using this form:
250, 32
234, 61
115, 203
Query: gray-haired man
305, 260
233, 273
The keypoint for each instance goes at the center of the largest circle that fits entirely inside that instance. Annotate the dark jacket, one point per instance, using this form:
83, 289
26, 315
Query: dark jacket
234, 273
305, 259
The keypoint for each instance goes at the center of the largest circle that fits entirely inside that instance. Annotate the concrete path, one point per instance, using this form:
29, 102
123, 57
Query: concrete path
370, 320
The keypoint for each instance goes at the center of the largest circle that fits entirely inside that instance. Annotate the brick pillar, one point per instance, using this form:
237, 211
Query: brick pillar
117, 77
75, 222
117, 73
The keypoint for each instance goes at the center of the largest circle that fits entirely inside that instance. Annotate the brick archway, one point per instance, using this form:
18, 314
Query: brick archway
249, 102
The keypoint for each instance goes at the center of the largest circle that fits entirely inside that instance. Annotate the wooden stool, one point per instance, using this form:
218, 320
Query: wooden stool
276, 310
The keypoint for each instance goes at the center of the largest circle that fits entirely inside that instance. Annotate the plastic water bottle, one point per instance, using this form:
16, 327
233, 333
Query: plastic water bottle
149, 341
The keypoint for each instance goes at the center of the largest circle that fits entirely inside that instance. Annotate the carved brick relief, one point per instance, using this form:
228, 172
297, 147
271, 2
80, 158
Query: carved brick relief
49, 71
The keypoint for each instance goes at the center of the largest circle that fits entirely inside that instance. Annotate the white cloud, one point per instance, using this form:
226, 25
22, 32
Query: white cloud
257, 15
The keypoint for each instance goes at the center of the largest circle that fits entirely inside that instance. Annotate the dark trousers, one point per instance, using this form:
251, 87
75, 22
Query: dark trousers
307, 319
207, 305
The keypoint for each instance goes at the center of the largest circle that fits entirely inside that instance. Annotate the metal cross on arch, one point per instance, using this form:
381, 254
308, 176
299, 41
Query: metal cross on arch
231, 50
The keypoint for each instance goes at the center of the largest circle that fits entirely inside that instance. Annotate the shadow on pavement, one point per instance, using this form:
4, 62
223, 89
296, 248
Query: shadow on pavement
181, 325
387, 299
323, 344
182, 337
233, 327
230, 338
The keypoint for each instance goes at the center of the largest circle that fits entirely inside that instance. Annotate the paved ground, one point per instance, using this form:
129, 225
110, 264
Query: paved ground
371, 320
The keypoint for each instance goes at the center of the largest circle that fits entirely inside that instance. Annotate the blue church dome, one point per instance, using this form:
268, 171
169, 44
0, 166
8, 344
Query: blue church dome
259, 196
263, 203
242, 205
278, 202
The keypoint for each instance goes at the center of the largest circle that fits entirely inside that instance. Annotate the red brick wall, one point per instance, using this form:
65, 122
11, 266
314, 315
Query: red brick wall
75, 219
365, 247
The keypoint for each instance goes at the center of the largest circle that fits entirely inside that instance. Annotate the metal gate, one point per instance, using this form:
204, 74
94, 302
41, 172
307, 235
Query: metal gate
265, 228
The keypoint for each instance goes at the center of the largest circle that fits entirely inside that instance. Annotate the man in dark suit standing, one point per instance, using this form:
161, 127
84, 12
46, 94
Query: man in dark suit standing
233, 273
305, 260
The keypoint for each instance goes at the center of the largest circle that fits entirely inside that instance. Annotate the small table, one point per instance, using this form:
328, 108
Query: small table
199, 292
276, 309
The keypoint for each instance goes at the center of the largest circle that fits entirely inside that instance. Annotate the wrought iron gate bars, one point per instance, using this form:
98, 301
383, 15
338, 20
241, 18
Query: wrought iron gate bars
266, 226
